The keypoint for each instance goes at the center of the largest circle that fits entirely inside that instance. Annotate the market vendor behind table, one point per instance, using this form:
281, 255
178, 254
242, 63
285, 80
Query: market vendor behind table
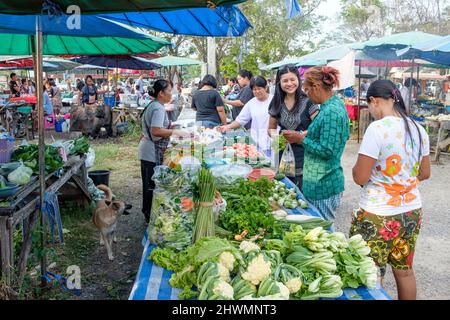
256, 111
156, 132
324, 142
208, 104
291, 110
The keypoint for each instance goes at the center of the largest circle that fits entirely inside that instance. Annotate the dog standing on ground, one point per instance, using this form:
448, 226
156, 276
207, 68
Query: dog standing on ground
106, 216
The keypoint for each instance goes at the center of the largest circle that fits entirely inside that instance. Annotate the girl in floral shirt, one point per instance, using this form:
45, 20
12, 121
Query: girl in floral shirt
393, 159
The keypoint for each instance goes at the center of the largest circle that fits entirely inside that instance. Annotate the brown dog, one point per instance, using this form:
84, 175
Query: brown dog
106, 216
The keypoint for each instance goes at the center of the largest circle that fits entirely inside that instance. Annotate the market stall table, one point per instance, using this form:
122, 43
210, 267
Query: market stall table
441, 126
25, 202
152, 281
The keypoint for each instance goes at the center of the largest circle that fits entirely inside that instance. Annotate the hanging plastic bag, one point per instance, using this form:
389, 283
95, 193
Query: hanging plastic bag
287, 163
90, 158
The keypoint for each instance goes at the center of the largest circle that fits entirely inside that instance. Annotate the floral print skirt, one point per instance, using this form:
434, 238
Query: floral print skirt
392, 239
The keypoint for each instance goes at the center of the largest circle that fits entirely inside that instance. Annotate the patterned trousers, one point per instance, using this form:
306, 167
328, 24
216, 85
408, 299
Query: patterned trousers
327, 207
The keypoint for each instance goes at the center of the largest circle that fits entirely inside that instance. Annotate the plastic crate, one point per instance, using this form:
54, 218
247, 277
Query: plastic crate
6, 149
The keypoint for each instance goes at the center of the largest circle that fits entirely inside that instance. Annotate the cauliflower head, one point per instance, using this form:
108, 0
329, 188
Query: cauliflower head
224, 289
227, 259
257, 270
248, 246
294, 285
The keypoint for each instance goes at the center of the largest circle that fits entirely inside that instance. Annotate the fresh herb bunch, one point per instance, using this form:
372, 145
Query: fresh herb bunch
248, 207
204, 222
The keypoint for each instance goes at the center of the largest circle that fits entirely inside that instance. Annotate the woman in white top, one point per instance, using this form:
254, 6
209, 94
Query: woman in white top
393, 159
255, 111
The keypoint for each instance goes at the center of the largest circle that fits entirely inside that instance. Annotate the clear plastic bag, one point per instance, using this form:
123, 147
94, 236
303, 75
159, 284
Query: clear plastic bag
287, 163
90, 158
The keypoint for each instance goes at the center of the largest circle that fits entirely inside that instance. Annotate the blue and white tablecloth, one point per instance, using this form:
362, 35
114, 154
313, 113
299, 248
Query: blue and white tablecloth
152, 281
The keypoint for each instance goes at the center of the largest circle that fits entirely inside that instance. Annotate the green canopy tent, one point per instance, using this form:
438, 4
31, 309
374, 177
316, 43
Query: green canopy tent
168, 62
21, 44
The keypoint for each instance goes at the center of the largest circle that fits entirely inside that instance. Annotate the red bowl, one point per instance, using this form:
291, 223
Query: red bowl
258, 173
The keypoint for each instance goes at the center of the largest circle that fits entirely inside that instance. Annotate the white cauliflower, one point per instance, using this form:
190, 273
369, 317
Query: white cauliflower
257, 270
224, 273
227, 259
248, 246
294, 285
282, 295
224, 290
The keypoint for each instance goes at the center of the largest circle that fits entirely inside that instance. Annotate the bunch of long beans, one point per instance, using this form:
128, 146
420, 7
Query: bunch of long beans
204, 222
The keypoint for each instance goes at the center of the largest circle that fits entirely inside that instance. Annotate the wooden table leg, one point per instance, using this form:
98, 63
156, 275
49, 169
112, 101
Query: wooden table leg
438, 150
5, 250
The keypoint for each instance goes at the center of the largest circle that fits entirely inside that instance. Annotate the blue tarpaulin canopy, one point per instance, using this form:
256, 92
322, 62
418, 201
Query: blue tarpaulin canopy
436, 51
123, 62
220, 22
385, 48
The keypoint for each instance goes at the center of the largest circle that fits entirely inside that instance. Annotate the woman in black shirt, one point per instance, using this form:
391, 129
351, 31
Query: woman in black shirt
292, 111
208, 104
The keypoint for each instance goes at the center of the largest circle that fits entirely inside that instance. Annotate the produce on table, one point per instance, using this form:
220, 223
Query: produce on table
20, 176
171, 225
172, 219
216, 289
204, 221
29, 155
290, 276
286, 197
248, 207
79, 146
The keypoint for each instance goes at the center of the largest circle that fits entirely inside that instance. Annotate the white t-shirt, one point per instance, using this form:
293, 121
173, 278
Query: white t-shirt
393, 185
258, 113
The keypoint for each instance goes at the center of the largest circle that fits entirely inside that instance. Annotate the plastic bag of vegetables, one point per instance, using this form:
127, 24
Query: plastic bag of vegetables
287, 162
21, 176
172, 220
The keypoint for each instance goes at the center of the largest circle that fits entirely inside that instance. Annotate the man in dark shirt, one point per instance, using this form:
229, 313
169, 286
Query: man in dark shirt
244, 96
14, 85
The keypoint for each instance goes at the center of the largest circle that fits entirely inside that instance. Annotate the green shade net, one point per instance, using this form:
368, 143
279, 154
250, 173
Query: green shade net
104, 6
17, 44
176, 61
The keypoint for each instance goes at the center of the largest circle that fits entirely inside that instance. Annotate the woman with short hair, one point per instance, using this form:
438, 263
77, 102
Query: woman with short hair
255, 111
208, 104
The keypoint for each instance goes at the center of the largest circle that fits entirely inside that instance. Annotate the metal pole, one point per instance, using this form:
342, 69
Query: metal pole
40, 106
359, 96
417, 90
386, 71
410, 87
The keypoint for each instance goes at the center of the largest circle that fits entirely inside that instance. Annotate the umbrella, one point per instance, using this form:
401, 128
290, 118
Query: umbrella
384, 48
279, 64
365, 74
223, 21
436, 51
50, 64
169, 61
124, 62
89, 7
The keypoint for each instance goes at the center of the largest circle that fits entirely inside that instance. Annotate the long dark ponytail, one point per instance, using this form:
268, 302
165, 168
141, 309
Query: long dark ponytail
387, 89
278, 97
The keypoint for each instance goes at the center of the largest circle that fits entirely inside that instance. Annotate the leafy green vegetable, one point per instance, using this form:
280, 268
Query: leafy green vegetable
80, 146
30, 157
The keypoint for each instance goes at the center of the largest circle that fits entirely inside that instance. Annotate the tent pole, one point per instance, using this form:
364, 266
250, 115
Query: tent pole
41, 120
417, 90
359, 95
386, 70
410, 86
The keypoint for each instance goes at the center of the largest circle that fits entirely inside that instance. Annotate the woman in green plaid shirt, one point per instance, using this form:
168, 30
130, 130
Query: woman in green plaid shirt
324, 142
